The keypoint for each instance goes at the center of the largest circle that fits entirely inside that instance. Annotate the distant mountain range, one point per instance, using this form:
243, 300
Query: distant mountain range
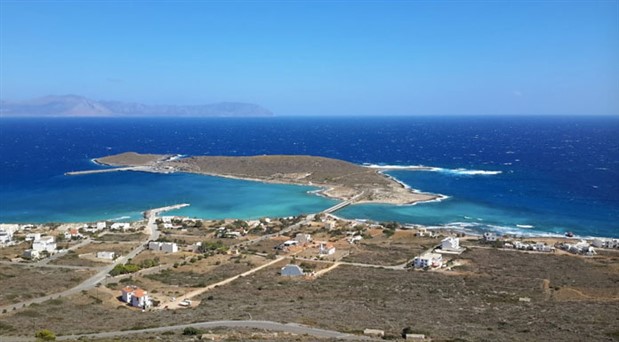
79, 106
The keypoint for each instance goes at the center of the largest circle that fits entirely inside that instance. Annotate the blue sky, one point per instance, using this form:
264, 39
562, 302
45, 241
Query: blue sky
320, 58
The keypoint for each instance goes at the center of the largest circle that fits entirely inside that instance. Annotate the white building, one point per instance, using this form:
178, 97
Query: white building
136, 297
291, 271
10, 228
33, 237
45, 243
303, 238
542, 247
354, 239
166, 219
330, 225
31, 254
290, 243
101, 225
451, 244
106, 255
5, 237
428, 260
326, 249
120, 225
166, 247
581, 247
73, 233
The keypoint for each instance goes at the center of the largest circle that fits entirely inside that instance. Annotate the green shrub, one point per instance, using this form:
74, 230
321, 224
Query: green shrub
45, 335
190, 331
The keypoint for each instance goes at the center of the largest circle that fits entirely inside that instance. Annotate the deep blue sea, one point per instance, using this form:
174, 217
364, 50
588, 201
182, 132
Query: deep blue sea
527, 175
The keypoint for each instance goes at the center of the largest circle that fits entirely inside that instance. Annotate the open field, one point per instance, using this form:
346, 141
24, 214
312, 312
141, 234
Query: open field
459, 304
18, 283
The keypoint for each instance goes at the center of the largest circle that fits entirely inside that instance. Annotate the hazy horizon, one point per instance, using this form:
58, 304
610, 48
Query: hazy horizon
320, 59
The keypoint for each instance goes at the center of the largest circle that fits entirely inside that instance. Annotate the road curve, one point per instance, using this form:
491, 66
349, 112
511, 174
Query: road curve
267, 325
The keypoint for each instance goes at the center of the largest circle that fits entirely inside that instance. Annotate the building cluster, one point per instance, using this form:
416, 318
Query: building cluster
434, 259
8, 230
40, 246
299, 240
581, 247
537, 246
175, 222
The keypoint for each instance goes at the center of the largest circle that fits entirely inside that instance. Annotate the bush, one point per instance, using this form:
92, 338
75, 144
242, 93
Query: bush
190, 331
45, 335
124, 269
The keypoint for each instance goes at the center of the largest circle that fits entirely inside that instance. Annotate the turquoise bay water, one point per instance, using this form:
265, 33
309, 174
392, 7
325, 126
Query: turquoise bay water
556, 174
125, 195
489, 202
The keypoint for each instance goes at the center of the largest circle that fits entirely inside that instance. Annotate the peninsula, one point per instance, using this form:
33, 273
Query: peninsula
338, 179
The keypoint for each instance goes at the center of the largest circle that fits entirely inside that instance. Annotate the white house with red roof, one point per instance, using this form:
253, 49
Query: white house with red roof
136, 297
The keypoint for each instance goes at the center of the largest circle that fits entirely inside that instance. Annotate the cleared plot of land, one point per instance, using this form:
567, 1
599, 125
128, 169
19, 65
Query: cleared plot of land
207, 272
72, 258
398, 249
447, 306
11, 252
112, 237
18, 283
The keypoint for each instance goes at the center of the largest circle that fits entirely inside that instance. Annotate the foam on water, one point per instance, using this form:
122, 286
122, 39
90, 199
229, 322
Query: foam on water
458, 171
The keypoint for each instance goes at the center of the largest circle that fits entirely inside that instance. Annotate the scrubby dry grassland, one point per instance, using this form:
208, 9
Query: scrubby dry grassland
476, 302
18, 283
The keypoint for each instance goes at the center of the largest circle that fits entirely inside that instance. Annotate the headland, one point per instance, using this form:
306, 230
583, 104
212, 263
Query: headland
337, 179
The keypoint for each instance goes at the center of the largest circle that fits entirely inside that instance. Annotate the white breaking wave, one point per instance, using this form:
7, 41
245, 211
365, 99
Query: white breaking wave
460, 171
466, 172
120, 218
397, 167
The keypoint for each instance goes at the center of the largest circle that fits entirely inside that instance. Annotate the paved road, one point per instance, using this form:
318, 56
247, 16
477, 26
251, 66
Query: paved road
267, 325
